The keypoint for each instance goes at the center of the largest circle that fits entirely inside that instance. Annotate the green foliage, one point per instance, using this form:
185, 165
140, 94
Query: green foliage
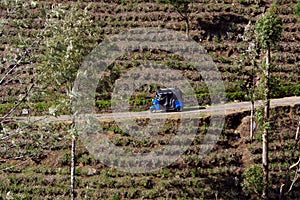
4, 108
238, 95
65, 159
116, 197
259, 118
103, 104
140, 100
297, 9
281, 88
115, 129
268, 28
253, 179
69, 37
181, 6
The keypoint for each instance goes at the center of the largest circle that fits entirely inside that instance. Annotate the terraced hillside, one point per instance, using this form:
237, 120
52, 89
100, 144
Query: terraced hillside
216, 25
35, 162
35, 157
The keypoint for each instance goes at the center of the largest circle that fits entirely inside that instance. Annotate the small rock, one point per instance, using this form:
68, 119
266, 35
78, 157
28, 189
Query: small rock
25, 111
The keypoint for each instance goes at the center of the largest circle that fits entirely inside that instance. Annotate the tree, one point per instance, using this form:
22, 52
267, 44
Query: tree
268, 31
182, 7
18, 59
69, 37
251, 52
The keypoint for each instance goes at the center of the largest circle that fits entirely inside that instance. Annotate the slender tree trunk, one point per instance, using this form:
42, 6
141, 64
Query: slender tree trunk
297, 132
252, 119
73, 149
252, 86
266, 127
187, 26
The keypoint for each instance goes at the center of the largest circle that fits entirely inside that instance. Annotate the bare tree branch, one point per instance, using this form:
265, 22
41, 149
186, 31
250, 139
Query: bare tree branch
281, 191
284, 187
294, 165
296, 174
7, 135
25, 53
17, 105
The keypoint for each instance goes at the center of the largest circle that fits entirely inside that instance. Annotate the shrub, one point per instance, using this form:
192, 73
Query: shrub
253, 180
103, 104
65, 159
